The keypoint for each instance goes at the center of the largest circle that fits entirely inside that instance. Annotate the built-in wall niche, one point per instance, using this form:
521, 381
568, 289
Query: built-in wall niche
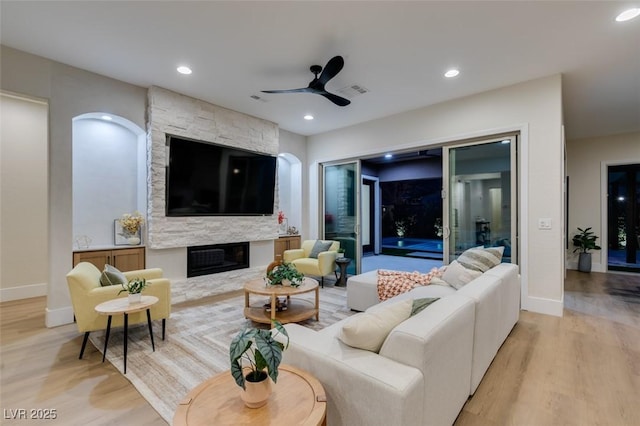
290, 188
109, 175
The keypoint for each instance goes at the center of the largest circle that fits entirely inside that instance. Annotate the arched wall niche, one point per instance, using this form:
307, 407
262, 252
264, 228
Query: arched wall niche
109, 175
290, 188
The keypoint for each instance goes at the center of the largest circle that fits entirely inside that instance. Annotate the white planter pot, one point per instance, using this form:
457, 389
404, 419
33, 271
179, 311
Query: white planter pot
135, 298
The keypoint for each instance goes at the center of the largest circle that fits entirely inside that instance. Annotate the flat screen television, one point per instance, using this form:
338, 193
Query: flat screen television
206, 179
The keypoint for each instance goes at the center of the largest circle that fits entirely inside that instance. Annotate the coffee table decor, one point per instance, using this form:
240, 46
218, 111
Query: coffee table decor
282, 273
256, 350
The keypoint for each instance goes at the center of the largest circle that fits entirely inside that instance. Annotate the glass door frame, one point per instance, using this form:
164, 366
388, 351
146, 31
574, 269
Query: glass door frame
515, 200
357, 262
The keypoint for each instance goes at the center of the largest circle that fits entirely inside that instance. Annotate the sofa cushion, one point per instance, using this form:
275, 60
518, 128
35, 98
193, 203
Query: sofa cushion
457, 275
368, 330
319, 247
112, 276
480, 258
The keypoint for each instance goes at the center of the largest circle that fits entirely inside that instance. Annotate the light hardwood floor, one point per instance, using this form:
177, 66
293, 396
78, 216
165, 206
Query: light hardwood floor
581, 369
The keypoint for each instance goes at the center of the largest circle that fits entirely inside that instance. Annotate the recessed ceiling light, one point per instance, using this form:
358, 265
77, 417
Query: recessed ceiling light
308, 117
107, 117
184, 70
387, 156
451, 73
628, 14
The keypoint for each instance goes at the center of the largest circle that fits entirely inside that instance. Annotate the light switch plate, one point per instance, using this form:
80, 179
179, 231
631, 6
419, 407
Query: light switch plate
544, 223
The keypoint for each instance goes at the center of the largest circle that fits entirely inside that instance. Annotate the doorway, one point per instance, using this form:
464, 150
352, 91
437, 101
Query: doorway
623, 218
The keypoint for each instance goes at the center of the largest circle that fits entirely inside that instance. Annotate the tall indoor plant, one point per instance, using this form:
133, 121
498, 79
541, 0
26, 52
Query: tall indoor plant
255, 357
584, 241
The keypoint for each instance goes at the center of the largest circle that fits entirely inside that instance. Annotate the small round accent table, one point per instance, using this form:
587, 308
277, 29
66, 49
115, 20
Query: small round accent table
343, 263
297, 310
122, 306
297, 399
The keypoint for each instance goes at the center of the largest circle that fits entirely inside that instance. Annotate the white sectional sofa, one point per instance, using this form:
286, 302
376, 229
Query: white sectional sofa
427, 366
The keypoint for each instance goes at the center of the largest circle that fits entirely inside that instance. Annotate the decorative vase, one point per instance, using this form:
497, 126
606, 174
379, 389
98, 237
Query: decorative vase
256, 394
134, 298
133, 241
584, 262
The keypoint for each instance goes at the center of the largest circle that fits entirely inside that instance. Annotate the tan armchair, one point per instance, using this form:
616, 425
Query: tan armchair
324, 264
86, 293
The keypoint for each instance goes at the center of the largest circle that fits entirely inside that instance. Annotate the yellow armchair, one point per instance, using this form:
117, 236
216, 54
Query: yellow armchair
86, 293
324, 264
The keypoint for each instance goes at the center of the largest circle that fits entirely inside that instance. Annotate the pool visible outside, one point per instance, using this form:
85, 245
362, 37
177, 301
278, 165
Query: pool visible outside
413, 247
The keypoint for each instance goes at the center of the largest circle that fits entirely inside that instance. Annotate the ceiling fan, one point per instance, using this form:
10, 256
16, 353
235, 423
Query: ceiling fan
316, 86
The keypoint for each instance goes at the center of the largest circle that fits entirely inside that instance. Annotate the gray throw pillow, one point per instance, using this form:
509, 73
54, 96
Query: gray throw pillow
420, 304
112, 276
319, 247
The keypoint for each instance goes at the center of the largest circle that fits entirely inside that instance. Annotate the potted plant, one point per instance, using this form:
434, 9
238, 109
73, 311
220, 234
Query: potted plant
585, 240
134, 288
340, 252
255, 357
284, 274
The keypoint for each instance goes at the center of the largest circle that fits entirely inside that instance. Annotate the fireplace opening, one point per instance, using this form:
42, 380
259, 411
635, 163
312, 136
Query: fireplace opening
212, 259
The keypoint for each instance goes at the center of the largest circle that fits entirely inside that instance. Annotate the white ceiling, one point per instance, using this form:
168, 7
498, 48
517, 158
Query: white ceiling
397, 50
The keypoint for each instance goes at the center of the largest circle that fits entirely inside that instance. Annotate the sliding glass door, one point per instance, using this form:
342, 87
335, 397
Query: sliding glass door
623, 213
341, 206
480, 199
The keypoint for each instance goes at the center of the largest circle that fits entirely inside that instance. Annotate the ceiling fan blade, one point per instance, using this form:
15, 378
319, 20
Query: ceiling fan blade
338, 100
330, 70
301, 90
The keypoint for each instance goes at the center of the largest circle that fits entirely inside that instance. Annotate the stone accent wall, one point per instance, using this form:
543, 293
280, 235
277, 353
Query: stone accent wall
173, 113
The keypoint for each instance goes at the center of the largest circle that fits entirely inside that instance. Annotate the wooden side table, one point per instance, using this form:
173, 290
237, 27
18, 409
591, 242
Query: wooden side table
122, 306
297, 399
343, 263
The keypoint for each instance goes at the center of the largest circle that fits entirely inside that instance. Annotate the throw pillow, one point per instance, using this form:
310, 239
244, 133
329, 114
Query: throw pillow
112, 276
480, 258
420, 304
392, 283
457, 276
319, 247
368, 330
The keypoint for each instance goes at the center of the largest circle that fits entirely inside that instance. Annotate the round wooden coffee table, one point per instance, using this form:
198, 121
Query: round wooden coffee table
297, 399
297, 309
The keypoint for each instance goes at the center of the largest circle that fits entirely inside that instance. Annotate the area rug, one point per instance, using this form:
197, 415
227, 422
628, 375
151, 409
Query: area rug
196, 346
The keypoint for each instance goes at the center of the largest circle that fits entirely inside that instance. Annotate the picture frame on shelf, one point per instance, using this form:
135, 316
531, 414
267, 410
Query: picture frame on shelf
120, 239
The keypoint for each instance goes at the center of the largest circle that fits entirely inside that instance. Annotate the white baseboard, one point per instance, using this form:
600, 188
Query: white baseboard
60, 316
543, 306
23, 292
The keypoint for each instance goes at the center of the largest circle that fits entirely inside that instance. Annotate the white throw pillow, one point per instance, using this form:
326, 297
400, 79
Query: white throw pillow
480, 258
457, 275
368, 330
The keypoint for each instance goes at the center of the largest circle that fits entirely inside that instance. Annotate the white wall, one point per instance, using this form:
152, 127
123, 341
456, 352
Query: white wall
535, 109
70, 92
24, 257
584, 162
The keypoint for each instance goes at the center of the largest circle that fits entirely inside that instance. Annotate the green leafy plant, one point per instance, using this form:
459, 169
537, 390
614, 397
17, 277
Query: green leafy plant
585, 240
341, 250
285, 271
134, 286
258, 350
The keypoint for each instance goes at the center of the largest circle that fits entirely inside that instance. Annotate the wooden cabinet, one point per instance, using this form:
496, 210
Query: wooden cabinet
287, 242
125, 259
